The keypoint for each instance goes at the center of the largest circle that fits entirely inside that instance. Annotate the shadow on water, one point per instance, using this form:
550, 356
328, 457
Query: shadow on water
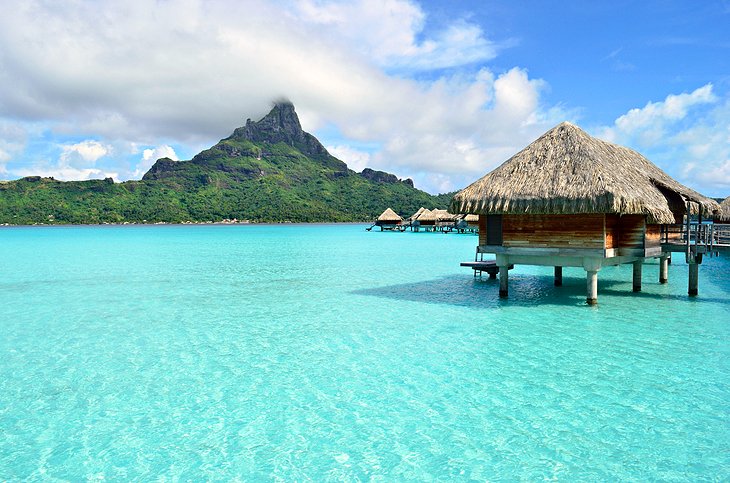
525, 290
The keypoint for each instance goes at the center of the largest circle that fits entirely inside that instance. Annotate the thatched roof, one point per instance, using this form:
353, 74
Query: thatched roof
390, 216
436, 215
566, 171
425, 212
415, 215
724, 213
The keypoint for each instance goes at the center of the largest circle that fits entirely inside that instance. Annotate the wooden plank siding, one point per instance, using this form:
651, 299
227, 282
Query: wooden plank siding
482, 230
632, 229
653, 236
612, 231
554, 231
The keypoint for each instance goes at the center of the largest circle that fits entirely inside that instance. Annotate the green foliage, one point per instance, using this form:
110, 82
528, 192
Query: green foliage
235, 179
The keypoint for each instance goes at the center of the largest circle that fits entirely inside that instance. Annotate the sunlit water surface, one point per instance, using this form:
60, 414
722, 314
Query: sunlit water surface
328, 353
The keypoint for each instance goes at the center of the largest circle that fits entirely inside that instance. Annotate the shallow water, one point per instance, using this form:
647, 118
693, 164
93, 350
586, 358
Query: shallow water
328, 353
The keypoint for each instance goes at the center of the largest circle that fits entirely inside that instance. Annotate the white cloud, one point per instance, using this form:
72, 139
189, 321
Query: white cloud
356, 160
646, 126
387, 31
65, 173
150, 155
84, 153
114, 75
13, 138
696, 153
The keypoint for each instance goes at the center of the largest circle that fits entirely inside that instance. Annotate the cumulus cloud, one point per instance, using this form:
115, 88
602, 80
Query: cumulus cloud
387, 31
356, 159
697, 152
150, 155
647, 125
112, 74
84, 153
65, 173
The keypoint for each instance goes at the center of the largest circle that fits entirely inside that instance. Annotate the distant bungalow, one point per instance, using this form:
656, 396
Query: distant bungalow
571, 200
389, 220
422, 218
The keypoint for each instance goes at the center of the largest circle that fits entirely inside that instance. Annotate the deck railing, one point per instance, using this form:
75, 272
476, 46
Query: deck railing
697, 238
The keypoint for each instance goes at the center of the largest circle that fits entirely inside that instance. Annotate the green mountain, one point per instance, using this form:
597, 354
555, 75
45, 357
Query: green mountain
268, 171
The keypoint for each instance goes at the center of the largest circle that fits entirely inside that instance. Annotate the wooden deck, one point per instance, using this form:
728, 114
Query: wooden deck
489, 266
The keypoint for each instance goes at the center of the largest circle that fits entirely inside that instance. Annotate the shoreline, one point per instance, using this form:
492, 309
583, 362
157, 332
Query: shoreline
192, 223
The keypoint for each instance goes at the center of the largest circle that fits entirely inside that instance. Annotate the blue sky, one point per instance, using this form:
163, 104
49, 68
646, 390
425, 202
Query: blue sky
441, 92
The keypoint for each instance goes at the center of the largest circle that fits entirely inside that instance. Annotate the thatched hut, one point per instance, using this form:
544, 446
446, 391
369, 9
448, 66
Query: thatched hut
426, 220
388, 220
466, 223
569, 199
415, 215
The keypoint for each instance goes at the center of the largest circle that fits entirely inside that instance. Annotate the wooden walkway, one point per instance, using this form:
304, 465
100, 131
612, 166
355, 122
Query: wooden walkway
696, 239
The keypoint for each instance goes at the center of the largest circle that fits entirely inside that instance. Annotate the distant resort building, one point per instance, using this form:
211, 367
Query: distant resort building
571, 200
389, 220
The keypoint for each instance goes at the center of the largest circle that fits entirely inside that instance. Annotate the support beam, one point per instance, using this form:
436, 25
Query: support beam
637, 275
503, 281
664, 268
558, 276
694, 272
591, 287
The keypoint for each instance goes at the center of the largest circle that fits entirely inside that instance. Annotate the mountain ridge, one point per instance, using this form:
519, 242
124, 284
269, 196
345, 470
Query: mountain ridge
270, 170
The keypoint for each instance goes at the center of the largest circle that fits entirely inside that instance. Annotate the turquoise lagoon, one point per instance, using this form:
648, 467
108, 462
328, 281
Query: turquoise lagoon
328, 353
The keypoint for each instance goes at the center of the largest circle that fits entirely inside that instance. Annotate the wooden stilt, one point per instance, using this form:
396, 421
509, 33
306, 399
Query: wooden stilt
694, 272
558, 276
591, 287
637, 275
663, 268
503, 280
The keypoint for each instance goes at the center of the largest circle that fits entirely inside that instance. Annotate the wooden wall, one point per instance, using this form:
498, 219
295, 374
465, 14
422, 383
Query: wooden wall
482, 230
556, 231
595, 231
631, 231
653, 236
612, 231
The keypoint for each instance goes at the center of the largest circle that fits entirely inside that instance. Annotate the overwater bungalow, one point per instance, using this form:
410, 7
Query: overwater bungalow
466, 223
424, 220
571, 200
389, 220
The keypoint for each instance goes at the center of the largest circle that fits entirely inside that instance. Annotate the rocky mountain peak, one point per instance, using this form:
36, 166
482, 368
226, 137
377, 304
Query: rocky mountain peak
281, 124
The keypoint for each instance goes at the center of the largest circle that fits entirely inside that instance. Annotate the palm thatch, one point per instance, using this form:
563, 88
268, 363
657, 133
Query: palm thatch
443, 215
389, 216
436, 215
566, 171
723, 215
423, 214
415, 215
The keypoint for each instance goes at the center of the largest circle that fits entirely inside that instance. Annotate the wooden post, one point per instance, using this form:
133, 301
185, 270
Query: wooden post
694, 273
592, 287
637, 275
664, 268
558, 276
503, 280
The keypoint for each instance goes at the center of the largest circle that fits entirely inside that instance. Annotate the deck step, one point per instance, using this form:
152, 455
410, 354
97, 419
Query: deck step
489, 266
